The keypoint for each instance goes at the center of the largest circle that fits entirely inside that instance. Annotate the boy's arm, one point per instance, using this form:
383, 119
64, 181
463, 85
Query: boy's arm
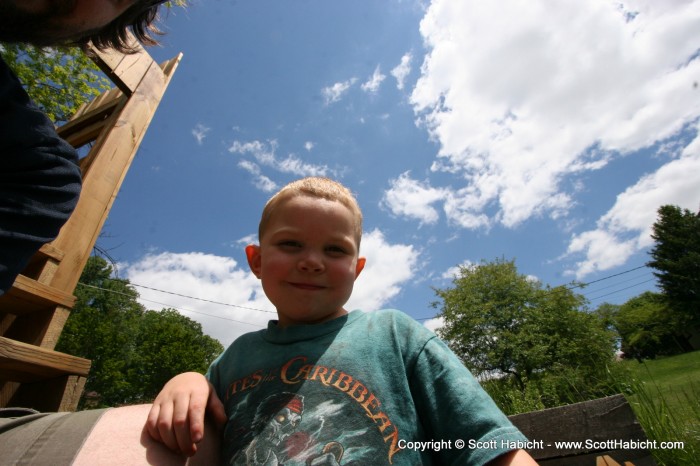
444, 389
177, 415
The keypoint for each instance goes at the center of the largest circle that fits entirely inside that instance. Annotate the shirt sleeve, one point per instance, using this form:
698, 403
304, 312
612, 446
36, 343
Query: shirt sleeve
454, 408
39, 179
212, 374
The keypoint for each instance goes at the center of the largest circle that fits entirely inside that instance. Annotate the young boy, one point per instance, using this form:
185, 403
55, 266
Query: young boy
321, 386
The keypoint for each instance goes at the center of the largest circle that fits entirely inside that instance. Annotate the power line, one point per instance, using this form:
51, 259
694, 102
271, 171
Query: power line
622, 289
201, 299
581, 285
169, 305
617, 283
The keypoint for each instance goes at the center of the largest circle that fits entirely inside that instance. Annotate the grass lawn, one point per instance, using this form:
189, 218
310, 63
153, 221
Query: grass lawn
676, 379
670, 373
669, 408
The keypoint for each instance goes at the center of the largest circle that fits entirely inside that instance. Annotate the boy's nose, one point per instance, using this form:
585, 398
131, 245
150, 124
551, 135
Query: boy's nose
311, 263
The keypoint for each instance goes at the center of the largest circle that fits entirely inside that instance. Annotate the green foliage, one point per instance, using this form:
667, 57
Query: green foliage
557, 387
169, 343
59, 81
519, 335
647, 327
133, 351
676, 257
607, 313
100, 328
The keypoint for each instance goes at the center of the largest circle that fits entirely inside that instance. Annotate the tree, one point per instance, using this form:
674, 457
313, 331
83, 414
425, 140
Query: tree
676, 258
100, 328
508, 327
133, 351
607, 313
646, 327
59, 81
169, 343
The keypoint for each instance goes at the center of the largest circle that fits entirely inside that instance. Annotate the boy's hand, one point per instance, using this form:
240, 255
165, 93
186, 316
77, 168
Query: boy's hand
177, 415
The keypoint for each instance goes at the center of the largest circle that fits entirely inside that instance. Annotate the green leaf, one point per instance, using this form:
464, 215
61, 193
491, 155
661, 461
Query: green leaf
59, 81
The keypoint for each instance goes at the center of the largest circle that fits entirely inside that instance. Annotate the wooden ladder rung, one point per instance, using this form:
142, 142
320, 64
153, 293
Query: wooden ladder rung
80, 130
52, 252
27, 296
22, 362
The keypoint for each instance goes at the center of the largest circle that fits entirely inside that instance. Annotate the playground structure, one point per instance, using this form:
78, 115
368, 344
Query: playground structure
34, 311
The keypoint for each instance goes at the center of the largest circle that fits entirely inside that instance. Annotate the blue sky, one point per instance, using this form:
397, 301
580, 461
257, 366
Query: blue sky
544, 132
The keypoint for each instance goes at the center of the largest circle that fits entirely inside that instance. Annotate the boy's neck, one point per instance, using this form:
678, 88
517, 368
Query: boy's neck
284, 323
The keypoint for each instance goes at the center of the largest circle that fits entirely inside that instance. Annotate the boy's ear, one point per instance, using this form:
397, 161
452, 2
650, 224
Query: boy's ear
360, 265
252, 252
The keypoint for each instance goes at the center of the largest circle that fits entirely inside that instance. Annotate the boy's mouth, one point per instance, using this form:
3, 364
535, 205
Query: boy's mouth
307, 286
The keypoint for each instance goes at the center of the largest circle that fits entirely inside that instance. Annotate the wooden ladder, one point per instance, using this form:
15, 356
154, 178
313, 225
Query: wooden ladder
34, 311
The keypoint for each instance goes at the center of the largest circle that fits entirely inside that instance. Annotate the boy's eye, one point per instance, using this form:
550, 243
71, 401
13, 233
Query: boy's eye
335, 250
289, 244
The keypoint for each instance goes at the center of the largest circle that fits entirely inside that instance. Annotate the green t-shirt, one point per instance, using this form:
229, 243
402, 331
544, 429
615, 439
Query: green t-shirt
361, 389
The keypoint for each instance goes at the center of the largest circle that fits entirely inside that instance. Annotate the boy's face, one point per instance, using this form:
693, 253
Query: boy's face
307, 260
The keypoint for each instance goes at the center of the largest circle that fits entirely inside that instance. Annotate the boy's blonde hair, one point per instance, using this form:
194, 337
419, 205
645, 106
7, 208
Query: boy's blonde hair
318, 187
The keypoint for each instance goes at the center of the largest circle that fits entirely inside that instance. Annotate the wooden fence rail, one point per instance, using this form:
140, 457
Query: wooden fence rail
603, 432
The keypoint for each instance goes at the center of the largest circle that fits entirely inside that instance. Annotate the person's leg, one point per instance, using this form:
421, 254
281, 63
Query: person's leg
119, 438
29, 437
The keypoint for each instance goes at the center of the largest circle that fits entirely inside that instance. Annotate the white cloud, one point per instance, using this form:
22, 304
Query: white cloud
334, 93
454, 272
411, 198
524, 98
208, 277
402, 70
626, 227
200, 132
308, 145
294, 165
434, 324
265, 155
249, 239
260, 181
265, 184
263, 152
389, 267
372, 84
518, 94
216, 279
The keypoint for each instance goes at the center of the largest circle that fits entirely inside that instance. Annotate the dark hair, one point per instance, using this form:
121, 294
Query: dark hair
138, 19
